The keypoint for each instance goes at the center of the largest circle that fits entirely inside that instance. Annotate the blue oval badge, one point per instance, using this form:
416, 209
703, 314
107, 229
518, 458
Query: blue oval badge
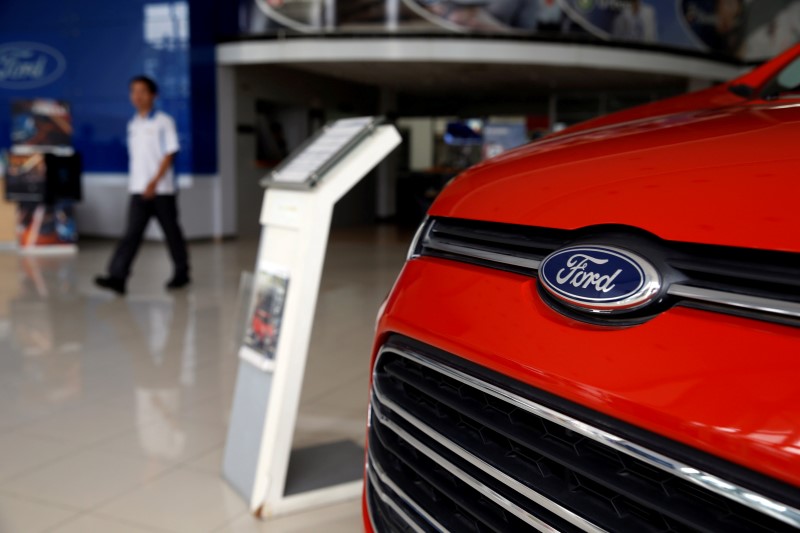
25, 65
599, 279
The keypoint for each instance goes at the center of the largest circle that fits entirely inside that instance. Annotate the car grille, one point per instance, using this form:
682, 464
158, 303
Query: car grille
451, 449
754, 283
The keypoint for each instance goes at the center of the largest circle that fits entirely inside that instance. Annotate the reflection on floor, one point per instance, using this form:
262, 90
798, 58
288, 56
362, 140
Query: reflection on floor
113, 411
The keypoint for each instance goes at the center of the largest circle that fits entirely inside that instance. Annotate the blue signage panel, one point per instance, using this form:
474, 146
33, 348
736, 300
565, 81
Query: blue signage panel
84, 53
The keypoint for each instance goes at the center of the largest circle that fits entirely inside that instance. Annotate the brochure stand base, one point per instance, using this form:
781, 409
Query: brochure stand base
259, 461
324, 465
50, 249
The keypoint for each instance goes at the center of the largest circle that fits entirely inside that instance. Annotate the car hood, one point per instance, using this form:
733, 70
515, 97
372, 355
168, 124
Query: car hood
728, 176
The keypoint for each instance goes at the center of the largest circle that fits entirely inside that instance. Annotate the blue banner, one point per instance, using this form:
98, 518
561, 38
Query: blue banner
84, 52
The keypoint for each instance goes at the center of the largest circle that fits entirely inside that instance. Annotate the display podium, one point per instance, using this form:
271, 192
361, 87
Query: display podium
43, 176
259, 461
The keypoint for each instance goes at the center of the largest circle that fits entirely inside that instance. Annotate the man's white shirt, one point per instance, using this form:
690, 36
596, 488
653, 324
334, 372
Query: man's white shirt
150, 140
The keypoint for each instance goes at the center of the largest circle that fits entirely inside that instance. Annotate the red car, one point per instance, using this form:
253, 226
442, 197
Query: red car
600, 331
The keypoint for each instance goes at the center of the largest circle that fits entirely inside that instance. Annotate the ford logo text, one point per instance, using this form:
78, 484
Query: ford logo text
25, 65
599, 279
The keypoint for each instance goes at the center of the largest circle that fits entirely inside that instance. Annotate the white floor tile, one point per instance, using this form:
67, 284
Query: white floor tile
340, 518
86, 479
18, 515
21, 453
210, 462
181, 501
214, 410
172, 440
84, 425
88, 523
118, 407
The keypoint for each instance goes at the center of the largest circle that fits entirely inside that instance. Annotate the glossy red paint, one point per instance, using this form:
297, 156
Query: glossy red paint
714, 169
725, 176
712, 98
365, 514
722, 384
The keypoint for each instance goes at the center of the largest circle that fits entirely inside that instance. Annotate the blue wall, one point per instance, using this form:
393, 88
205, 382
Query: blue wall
103, 44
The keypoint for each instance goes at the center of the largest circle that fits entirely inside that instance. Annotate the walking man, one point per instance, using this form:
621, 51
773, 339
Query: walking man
152, 145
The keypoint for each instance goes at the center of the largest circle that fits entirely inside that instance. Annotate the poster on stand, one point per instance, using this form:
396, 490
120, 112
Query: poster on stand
41, 125
26, 178
46, 225
265, 317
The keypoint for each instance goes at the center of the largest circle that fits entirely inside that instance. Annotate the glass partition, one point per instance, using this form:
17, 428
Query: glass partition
747, 30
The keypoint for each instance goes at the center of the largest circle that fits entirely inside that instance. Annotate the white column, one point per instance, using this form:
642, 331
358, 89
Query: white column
225, 190
552, 111
387, 171
697, 84
420, 142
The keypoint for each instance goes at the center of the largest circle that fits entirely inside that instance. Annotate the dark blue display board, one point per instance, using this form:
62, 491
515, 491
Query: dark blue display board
85, 51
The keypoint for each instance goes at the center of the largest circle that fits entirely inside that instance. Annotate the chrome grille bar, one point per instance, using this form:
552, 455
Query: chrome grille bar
707, 481
732, 299
487, 492
374, 470
492, 254
482, 254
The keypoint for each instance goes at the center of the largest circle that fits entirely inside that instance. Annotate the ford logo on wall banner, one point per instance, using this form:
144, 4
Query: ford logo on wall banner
600, 279
27, 65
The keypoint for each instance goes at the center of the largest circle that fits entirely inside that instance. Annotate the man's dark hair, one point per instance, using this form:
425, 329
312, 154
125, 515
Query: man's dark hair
152, 86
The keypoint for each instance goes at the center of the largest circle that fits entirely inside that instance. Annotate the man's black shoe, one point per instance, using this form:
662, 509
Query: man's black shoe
111, 284
178, 282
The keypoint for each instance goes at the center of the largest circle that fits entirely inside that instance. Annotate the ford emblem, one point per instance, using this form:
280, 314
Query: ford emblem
25, 65
600, 279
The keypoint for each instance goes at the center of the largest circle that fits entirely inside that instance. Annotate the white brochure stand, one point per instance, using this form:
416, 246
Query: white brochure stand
259, 461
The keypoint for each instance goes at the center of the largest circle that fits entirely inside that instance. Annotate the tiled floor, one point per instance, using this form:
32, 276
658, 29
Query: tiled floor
113, 412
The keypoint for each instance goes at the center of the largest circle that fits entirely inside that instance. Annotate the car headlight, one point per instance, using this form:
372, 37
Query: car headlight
414, 250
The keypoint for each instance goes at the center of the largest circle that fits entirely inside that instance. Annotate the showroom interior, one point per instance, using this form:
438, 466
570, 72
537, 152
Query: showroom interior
154, 411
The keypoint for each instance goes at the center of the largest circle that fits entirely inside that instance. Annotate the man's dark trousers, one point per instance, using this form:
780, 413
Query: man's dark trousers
140, 211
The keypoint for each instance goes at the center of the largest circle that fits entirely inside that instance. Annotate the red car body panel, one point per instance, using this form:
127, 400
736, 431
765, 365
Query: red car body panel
659, 175
709, 168
725, 385
714, 97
